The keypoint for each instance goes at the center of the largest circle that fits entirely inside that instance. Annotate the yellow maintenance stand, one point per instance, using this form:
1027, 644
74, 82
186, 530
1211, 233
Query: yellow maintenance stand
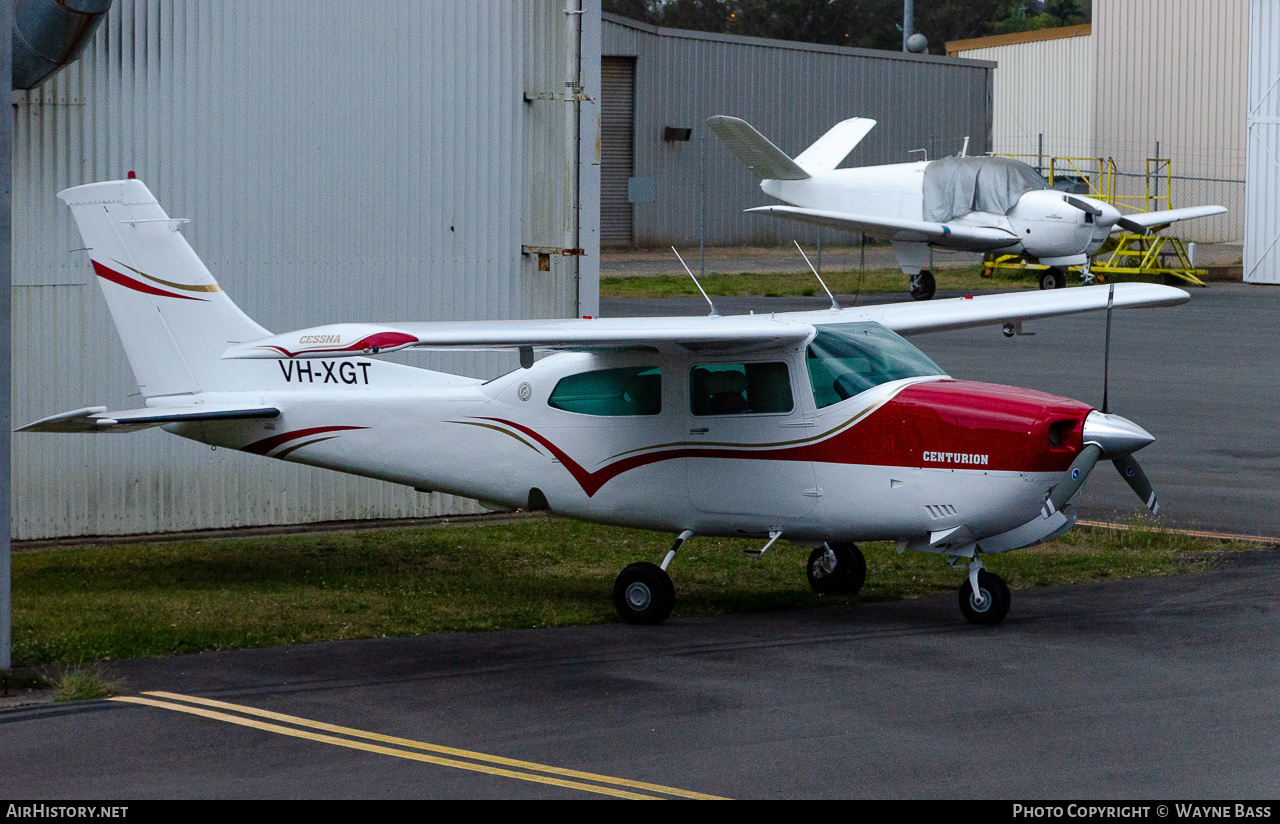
1128, 256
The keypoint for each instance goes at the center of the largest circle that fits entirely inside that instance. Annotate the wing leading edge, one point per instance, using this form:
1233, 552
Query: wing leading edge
734, 333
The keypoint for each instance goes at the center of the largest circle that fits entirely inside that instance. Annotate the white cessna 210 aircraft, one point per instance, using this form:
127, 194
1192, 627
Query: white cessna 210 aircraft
825, 427
973, 204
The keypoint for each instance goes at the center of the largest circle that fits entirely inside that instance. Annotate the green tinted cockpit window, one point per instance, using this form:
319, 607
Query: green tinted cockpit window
630, 390
848, 358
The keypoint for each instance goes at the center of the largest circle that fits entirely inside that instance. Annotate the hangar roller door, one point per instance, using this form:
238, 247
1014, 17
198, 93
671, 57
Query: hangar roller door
617, 148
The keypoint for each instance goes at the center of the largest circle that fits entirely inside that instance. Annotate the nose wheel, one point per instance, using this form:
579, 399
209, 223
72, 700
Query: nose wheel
837, 569
922, 286
990, 604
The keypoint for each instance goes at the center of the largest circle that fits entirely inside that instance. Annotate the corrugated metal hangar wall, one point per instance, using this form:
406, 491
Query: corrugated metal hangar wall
1148, 73
338, 161
791, 92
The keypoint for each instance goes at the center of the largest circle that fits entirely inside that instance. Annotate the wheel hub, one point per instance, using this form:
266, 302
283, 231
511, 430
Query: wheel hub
638, 596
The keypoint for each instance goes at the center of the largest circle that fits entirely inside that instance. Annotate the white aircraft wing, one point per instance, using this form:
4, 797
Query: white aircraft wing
98, 419
959, 313
740, 332
968, 238
1150, 220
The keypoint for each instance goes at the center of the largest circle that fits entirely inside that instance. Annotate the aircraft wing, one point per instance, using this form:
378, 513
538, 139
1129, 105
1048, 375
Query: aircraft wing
959, 313
740, 332
1152, 220
97, 419
968, 238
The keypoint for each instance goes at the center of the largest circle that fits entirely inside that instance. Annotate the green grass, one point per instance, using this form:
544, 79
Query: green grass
92, 604
79, 682
797, 285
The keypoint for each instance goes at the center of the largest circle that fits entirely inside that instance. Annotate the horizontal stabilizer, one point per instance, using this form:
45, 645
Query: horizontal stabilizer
764, 159
1150, 220
830, 150
98, 419
968, 238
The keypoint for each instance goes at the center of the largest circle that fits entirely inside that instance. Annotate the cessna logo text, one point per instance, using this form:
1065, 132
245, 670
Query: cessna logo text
956, 458
305, 339
325, 371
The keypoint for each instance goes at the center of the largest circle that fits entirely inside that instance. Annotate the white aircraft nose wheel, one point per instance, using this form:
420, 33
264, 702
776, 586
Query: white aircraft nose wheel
837, 569
643, 594
993, 606
923, 285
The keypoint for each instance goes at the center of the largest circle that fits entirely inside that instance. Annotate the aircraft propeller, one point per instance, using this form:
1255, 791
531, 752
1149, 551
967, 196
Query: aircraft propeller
1106, 436
1107, 216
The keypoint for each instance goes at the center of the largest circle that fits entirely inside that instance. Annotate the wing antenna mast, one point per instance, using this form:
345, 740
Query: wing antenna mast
714, 312
1106, 352
834, 303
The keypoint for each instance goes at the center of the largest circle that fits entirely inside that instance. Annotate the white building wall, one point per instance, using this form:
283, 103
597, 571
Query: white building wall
1042, 88
339, 161
1262, 231
1175, 72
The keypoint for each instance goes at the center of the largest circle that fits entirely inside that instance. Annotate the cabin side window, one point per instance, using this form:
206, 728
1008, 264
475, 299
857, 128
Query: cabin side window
631, 390
740, 389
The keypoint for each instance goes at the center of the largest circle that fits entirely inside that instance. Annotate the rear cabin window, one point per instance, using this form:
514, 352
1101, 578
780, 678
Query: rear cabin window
846, 359
630, 390
740, 389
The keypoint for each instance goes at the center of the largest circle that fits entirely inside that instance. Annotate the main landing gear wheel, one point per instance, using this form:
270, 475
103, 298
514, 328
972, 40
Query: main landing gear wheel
1053, 278
643, 594
995, 599
923, 286
837, 569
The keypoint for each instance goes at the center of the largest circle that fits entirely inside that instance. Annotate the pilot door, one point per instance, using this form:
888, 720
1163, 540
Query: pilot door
746, 433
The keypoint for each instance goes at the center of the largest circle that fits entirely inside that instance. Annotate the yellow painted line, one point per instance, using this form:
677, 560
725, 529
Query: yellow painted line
418, 745
1221, 536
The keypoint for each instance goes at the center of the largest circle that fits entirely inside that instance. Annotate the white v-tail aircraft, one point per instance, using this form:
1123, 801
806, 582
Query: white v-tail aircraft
822, 427
972, 204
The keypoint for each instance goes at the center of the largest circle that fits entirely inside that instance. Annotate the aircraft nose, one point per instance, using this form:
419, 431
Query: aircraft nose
1116, 436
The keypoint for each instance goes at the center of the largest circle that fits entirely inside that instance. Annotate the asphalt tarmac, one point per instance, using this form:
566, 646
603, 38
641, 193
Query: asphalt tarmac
1158, 688
1161, 688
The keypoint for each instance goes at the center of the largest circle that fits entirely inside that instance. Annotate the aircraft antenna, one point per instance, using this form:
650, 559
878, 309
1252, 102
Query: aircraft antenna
834, 304
1106, 352
714, 312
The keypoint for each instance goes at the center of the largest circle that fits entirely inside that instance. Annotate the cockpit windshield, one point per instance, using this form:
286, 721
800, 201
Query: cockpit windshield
848, 358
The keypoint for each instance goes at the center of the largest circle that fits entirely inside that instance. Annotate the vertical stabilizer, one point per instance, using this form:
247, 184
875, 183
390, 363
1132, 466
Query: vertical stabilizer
830, 150
173, 317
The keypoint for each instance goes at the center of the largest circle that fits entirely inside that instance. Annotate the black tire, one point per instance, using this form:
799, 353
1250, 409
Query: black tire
995, 605
923, 286
1053, 278
643, 594
842, 572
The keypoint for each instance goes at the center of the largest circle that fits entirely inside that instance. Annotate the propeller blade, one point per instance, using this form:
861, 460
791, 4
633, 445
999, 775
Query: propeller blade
1082, 206
1135, 228
1137, 480
1074, 479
